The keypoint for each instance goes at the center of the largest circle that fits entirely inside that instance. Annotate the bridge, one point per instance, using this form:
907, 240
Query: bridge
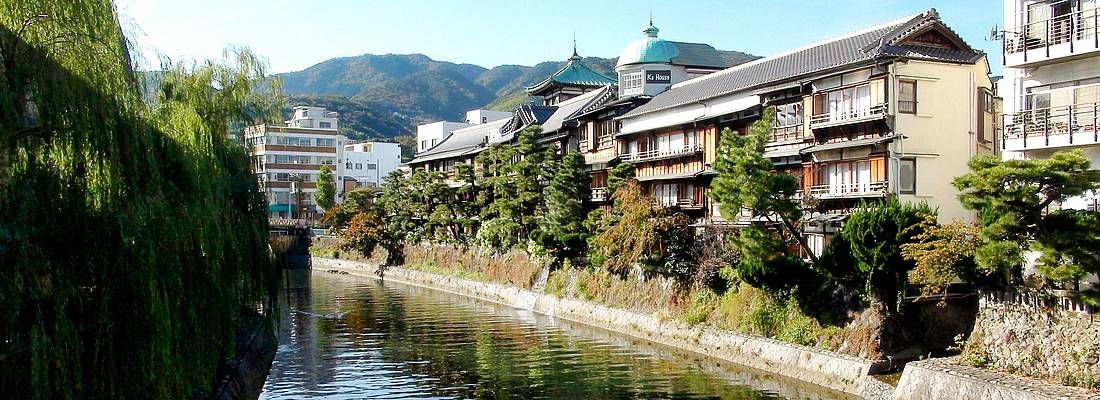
290, 240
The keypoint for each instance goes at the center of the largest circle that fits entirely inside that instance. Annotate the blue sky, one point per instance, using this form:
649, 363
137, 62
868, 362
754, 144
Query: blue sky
297, 34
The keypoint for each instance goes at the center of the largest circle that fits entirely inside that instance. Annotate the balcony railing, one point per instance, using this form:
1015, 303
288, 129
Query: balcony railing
847, 116
787, 133
1075, 26
662, 153
682, 203
841, 190
1052, 127
599, 194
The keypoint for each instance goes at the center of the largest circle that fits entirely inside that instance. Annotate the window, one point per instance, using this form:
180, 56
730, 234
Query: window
666, 194
484, 119
279, 159
816, 243
347, 165
907, 97
423, 144
633, 83
372, 167
358, 166
788, 122
433, 142
325, 125
907, 176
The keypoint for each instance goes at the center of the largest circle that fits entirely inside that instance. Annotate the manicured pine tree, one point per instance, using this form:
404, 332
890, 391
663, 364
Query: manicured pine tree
747, 182
563, 232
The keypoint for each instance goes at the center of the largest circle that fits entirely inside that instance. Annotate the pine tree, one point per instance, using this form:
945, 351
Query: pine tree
746, 182
1013, 200
563, 232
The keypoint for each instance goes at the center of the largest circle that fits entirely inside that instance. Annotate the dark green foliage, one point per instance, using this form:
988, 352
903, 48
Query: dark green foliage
1012, 199
617, 175
562, 230
131, 236
326, 189
401, 225
511, 191
874, 233
746, 182
644, 235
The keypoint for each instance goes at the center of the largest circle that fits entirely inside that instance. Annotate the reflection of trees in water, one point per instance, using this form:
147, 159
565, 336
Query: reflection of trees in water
454, 347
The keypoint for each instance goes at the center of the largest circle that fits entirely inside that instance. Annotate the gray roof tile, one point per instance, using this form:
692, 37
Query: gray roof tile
852, 49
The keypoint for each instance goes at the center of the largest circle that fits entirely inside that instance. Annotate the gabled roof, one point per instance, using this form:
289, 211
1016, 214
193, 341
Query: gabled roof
526, 115
461, 142
856, 48
573, 73
574, 106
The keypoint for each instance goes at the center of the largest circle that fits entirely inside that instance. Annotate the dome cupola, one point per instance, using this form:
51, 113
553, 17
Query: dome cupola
649, 49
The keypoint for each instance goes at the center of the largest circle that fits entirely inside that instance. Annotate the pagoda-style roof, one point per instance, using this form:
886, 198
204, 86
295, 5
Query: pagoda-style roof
573, 74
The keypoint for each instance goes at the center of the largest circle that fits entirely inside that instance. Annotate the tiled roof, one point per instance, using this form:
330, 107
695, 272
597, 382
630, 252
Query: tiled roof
526, 115
698, 55
459, 143
852, 49
574, 106
573, 73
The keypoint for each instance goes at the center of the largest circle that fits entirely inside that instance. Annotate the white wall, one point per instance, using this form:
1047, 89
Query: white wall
435, 131
483, 116
358, 158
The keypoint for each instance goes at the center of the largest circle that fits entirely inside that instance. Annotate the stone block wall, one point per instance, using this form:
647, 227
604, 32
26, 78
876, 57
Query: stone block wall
1031, 334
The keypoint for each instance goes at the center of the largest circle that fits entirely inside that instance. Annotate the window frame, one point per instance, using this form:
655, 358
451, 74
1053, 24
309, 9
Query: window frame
901, 99
913, 163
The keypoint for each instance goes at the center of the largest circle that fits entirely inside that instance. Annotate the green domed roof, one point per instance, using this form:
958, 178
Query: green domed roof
648, 49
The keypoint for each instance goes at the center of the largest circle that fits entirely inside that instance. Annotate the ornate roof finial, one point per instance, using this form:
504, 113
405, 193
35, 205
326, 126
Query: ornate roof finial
575, 55
651, 31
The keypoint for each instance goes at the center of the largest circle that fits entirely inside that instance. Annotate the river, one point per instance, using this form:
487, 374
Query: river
343, 337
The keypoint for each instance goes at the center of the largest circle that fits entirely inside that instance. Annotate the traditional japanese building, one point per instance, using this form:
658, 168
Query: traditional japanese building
647, 66
893, 110
571, 80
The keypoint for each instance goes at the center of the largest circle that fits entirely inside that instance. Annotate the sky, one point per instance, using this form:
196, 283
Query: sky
294, 35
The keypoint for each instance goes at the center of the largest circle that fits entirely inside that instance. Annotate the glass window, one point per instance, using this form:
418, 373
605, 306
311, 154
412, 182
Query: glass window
907, 97
358, 166
907, 176
375, 166
325, 125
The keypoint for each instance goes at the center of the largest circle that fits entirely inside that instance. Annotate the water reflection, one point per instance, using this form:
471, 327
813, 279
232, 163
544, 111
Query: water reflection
345, 337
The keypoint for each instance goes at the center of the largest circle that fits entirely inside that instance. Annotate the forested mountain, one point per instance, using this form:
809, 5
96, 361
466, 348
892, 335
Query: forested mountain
385, 96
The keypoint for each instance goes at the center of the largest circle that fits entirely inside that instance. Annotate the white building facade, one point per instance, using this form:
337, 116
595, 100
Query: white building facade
1051, 85
429, 135
366, 164
288, 159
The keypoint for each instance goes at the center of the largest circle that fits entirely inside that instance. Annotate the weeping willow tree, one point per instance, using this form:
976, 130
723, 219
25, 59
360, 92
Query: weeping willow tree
131, 236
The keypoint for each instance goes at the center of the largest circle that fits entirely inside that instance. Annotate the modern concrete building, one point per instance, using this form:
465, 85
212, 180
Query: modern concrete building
287, 159
894, 110
429, 135
366, 164
1051, 84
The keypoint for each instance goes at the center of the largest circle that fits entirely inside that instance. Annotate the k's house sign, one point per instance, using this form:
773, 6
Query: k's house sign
658, 76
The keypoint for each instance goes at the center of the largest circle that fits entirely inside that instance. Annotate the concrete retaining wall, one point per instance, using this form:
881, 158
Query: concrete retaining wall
832, 370
946, 379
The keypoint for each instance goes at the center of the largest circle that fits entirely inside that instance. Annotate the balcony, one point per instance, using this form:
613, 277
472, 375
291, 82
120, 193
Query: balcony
847, 115
849, 190
789, 133
1060, 126
1051, 33
681, 203
658, 154
598, 194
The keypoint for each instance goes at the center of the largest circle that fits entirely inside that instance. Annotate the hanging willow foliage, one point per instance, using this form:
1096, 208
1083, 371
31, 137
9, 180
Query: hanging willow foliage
131, 236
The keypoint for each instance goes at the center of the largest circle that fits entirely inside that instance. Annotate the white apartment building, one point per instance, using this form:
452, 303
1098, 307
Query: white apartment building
1051, 85
287, 159
366, 164
429, 135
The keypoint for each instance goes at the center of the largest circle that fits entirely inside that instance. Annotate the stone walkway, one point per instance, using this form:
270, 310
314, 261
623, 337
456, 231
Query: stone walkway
1039, 389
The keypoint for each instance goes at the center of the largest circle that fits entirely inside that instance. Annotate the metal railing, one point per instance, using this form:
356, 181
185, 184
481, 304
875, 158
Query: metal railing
661, 153
1083, 118
1058, 29
860, 189
598, 194
683, 203
853, 114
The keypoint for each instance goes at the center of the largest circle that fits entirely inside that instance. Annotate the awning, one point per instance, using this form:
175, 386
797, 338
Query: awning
688, 113
784, 152
666, 177
848, 144
825, 218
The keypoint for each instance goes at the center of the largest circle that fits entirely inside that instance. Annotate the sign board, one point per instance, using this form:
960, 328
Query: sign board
658, 76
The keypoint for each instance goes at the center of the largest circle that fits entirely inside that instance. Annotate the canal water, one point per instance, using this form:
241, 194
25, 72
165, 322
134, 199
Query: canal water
343, 337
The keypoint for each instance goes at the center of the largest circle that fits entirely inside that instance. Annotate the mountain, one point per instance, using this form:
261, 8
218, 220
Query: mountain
385, 96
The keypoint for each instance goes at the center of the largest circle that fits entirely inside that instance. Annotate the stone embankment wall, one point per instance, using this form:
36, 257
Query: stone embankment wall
1029, 334
832, 370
